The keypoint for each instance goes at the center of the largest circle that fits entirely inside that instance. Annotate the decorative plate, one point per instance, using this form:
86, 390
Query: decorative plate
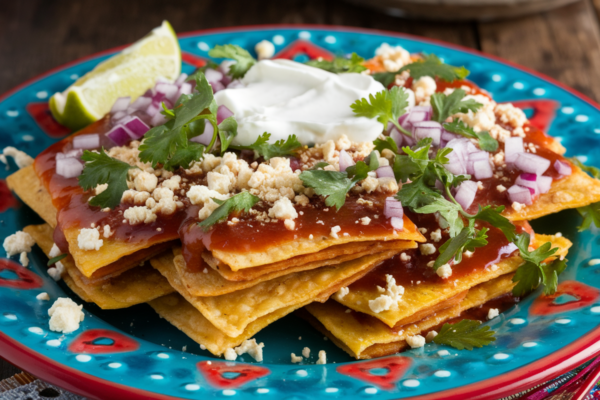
133, 354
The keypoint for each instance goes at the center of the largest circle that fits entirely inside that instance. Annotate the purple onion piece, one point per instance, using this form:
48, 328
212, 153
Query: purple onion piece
86, 142
393, 208
222, 113
69, 167
479, 155
465, 194
345, 160
431, 129
385, 172
397, 136
544, 183
513, 146
181, 79
217, 86
519, 194
136, 126
212, 75
206, 136
562, 168
75, 153
532, 163
482, 169
526, 180
141, 103
158, 119
397, 223
120, 104
120, 135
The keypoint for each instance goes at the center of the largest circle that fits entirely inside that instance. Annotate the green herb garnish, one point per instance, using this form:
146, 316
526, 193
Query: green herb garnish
590, 213
486, 142
243, 201
386, 106
56, 259
244, 60
465, 334
445, 106
340, 64
431, 66
267, 150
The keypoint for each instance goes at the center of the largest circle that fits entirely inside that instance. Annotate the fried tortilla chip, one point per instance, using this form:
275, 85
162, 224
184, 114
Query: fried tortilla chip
26, 184
209, 282
175, 309
574, 191
136, 286
302, 246
427, 294
232, 313
366, 337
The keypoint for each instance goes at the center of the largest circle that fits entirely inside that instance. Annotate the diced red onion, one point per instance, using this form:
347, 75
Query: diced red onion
120, 104
465, 194
158, 119
206, 136
529, 181
519, 194
482, 169
152, 109
562, 168
217, 86
345, 160
135, 126
397, 223
119, 115
532, 163
513, 146
223, 113
393, 208
385, 172
186, 88
141, 103
234, 84
544, 183
479, 155
89, 141
397, 136
120, 135
69, 167
181, 79
75, 153
431, 129
212, 75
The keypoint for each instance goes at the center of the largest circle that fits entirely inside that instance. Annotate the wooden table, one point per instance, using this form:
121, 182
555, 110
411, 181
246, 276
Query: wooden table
37, 35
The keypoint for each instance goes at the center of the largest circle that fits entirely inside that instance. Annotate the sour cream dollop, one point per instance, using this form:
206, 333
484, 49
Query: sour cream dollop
284, 97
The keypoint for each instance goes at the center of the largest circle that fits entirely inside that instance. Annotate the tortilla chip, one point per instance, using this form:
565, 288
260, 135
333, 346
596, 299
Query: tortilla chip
427, 294
136, 286
232, 313
175, 309
209, 282
367, 337
302, 246
26, 184
576, 190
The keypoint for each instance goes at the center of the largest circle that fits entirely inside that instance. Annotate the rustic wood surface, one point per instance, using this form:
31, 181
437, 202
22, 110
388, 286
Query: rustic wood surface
37, 35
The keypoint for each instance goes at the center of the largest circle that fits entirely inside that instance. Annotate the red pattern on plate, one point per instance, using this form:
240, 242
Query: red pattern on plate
544, 112
7, 200
396, 367
26, 279
213, 373
193, 59
43, 117
586, 295
86, 342
304, 47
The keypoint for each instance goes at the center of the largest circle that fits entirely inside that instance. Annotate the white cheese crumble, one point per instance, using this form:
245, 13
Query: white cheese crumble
296, 359
137, 215
23, 259
255, 350
392, 295
21, 158
404, 257
436, 235
322, 357
445, 271
54, 251
422, 230
334, 231
89, 239
306, 352
430, 336
283, 209
65, 315
517, 206
427, 249
415, 341
56, 271
230, 355
43, 296
18, 243
264, 49
493, 313
500, 188
365, 221
342, 293
145, 182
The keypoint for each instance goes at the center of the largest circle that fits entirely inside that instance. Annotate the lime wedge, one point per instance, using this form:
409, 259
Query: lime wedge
129, 73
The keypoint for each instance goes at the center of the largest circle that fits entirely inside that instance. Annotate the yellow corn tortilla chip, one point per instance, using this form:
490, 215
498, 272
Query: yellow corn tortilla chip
427, 294
209, 282
135, 286
368, 337
576, 190
179, 312
302, 246
26, 184
232, 313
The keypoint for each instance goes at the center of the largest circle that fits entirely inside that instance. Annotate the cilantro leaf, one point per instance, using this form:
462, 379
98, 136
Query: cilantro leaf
334, 184
227, 131
244, 60
100, 169
534, 271
320, 165
194, 104
161, 143
386, 106
243, 201
469, 239
486, 142
340, 64
417, 194
495, 218
387, 143
447, 209
528, 278
385, 78
280, 148
404, 168
550, 274
590, 169
445, 106
56, 259
432, 66
184, 156
590, 214
465, 334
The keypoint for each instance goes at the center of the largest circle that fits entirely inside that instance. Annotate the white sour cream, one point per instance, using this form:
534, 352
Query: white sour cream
283, 97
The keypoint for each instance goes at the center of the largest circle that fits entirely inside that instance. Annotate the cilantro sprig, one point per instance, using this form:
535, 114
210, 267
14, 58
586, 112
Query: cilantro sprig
430, 65
446, 105
101, 169
243, 59
486, 142
280, 148
56, 259
590, 213
340, 64
241, 202
535, 270
386, 106
466, 334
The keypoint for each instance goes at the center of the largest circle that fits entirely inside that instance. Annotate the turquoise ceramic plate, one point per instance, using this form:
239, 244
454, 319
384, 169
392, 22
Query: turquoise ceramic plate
134, 354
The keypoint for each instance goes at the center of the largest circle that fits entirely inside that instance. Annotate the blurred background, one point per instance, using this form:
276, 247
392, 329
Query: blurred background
560, 38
